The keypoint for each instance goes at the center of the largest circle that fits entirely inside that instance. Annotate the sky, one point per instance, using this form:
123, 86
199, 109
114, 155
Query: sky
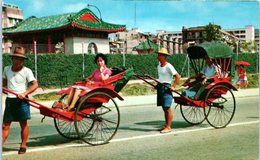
153, 15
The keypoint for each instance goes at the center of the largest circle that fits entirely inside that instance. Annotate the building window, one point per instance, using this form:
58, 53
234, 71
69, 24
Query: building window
11, 21
92, 48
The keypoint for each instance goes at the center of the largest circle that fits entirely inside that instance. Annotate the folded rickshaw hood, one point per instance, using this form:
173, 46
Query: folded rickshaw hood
212, 49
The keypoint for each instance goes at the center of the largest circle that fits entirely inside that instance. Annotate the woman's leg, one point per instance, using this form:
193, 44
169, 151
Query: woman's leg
75, 99
238, 84
71, 95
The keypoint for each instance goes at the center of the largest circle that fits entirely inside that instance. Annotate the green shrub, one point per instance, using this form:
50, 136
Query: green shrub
60, 70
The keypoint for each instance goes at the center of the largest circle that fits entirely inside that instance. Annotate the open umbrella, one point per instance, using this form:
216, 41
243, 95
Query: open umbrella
243, 63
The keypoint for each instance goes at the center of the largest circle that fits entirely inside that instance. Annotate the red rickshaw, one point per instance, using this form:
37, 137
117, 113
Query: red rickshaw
96, 117
217, 103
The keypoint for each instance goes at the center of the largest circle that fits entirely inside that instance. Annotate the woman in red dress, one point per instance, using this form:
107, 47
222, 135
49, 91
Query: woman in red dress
242, 81
98, 76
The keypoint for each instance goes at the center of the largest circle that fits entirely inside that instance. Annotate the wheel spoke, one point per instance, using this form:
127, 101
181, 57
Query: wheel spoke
65, 128
193, 115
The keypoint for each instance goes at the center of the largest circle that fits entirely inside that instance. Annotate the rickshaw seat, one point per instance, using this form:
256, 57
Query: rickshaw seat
193, 94
120, 79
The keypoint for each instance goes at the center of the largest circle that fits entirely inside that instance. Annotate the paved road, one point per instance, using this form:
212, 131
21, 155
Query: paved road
137, 138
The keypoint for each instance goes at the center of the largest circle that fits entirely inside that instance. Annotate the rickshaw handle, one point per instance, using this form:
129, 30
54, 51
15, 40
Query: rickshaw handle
34, 104
154, 79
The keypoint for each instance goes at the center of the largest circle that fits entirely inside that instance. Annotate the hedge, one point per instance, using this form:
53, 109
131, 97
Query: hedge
59, 70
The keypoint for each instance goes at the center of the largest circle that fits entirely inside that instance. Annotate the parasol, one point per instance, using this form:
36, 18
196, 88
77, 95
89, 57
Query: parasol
243, 63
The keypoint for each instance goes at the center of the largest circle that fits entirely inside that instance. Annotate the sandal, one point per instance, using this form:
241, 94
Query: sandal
71, 109
166, 130
60, 105
22, 150
57, 105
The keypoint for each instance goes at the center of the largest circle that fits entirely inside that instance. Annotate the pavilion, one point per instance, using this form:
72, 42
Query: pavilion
146, 47
81, 32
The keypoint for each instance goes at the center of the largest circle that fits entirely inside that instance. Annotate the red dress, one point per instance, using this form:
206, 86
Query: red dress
242, 77
242, 73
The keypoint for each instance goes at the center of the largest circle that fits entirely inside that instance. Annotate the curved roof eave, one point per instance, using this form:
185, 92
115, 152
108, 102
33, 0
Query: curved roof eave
98, 29
68, 25
32, 31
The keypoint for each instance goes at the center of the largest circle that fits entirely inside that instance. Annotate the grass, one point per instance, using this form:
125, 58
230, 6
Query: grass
52, 96
141, 89
253, 80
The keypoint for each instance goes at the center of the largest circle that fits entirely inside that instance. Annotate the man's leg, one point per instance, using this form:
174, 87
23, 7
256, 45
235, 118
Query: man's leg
24, 133
5, 131
168, 114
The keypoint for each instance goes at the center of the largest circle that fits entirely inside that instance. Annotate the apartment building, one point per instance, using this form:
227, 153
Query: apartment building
124, 42
172, 40
247, 34
194, 35
177, 41
244, 34
11, 15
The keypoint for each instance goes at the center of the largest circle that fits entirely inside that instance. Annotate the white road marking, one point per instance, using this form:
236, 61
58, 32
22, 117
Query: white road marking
127, 139
179, 132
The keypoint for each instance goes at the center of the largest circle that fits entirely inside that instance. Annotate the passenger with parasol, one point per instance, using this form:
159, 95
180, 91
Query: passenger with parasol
241, 71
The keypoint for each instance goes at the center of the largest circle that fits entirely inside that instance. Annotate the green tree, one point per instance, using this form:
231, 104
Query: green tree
248, 47
212, 33
185, 47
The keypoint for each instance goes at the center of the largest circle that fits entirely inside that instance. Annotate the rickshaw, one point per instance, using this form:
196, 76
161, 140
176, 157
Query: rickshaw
216, 103
96, 117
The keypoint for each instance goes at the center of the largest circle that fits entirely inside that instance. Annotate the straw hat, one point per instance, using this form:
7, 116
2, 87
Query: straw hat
163, 51
19, 52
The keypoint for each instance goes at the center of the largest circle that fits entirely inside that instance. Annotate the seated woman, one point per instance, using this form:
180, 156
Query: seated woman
242, 81
202, 79
98, 76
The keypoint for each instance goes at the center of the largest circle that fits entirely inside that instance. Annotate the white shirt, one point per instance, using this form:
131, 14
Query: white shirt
210, 71
17, 81
166, 73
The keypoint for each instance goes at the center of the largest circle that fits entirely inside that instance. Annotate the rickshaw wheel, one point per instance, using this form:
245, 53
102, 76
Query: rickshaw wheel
65, 128
192, 114
105, 120
219, 106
